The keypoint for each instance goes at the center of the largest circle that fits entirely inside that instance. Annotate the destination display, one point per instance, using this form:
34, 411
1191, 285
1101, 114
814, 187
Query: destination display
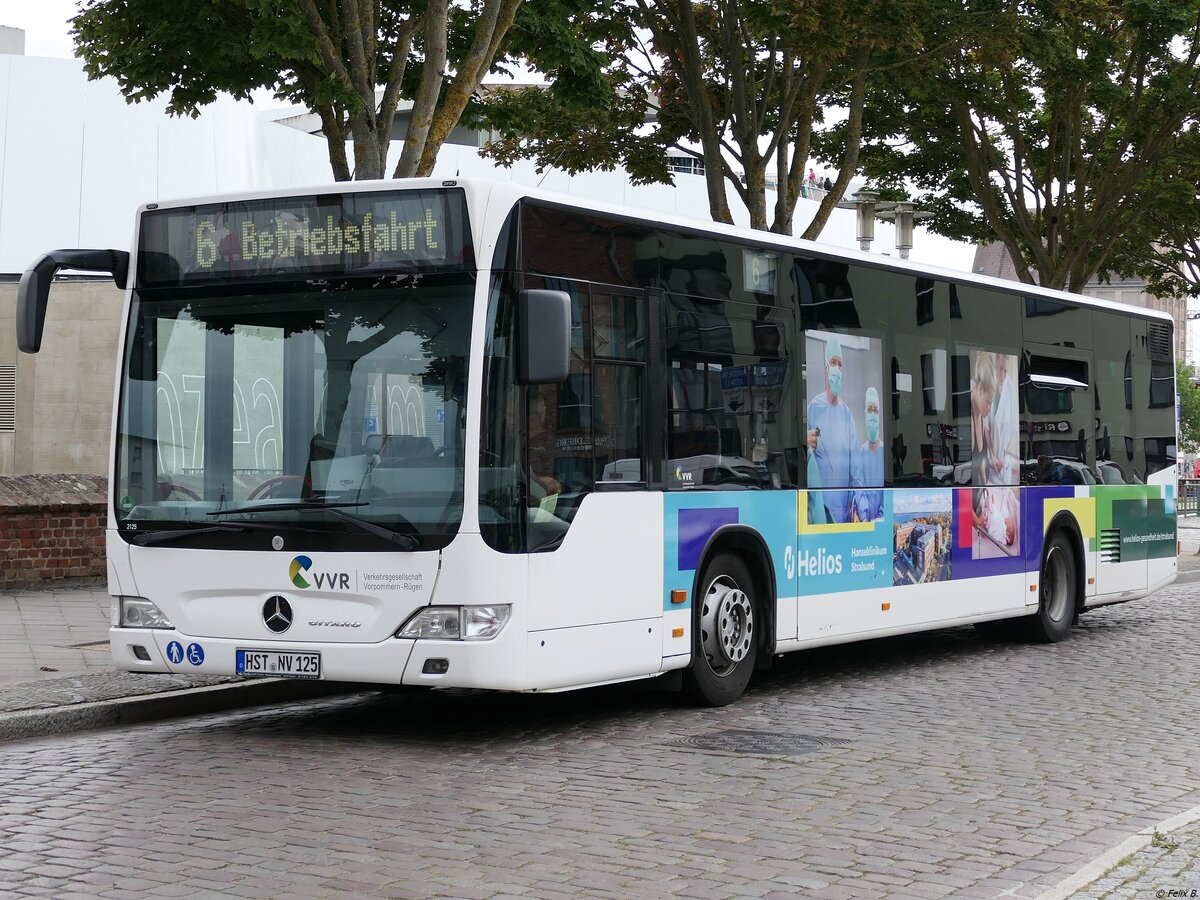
327, 234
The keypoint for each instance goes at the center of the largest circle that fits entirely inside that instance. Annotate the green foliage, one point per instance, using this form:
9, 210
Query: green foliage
740, 84
1067, 130
1189, 406
194, 51
539, 123
350, 61
591, 113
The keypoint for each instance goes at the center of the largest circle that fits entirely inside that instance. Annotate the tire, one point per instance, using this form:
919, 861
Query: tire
725, 621
1058, 592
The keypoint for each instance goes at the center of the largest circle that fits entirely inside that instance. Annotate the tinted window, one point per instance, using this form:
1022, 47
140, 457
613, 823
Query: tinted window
985, 395
619, 325
694, 266
1153, 394
1054, 322
925, 446
730, 404
826, 297
573, 244
1112, 400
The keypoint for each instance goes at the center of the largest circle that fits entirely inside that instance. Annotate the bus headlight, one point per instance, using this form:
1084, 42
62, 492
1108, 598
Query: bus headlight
457, 623
482, 623
138, 612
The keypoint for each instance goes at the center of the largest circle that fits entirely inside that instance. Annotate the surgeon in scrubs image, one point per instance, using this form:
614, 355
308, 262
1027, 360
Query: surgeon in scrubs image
868, 469
832, 441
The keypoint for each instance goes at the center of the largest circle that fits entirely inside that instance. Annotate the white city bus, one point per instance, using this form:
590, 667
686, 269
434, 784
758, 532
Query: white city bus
457, 433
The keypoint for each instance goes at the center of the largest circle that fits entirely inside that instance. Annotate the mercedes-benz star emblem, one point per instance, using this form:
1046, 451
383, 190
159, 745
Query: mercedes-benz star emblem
277, 542
277, 614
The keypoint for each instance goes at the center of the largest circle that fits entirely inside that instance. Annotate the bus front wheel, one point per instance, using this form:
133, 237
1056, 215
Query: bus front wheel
724, 640
1058, 591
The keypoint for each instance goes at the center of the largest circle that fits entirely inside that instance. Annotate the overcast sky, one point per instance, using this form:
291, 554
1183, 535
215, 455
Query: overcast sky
45, 24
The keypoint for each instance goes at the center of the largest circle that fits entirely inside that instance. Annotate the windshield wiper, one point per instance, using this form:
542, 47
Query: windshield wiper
406, 541
145, 538
163, 536
286, 507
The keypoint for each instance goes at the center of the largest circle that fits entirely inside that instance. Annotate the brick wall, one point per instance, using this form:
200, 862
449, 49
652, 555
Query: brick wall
51, 528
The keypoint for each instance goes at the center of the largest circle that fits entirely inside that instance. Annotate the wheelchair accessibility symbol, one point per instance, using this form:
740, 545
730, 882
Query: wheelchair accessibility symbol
175, 652
195, 654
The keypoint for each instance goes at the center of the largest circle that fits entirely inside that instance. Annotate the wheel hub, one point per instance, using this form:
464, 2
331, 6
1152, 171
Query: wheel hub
727, 625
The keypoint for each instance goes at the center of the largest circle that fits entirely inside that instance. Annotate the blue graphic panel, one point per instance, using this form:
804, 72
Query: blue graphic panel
696, 526
691, 517
1035, 521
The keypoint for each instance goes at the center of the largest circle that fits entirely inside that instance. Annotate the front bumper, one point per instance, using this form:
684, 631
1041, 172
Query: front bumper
496, 664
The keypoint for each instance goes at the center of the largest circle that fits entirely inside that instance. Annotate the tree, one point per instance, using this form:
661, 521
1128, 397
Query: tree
1163, 245
1067, 130
350, 61
747, 81
1189, 406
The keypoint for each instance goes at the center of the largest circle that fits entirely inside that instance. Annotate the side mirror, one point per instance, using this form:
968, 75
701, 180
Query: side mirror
544, 319
33, 293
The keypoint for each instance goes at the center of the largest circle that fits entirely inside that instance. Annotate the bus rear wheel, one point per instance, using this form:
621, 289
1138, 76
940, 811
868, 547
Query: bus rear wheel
724, 633
1058, 592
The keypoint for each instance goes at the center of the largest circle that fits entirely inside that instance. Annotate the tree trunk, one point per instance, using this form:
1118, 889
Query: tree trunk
334, 130
490, 31
686, 44
425, 103
370, 154
756, 191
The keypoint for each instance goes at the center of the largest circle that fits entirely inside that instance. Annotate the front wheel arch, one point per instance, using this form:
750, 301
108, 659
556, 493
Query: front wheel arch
1060, 585
748, 544
1065, 523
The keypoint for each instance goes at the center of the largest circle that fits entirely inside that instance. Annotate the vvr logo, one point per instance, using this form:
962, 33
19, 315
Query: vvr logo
328, 580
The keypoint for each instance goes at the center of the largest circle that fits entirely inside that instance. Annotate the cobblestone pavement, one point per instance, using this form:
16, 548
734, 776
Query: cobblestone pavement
1169, 867
928, 766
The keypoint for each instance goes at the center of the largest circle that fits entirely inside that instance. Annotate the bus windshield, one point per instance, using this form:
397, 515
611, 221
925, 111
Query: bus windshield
315, 407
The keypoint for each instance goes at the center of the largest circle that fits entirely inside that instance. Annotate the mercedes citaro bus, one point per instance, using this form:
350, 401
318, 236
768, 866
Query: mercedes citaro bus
470, 434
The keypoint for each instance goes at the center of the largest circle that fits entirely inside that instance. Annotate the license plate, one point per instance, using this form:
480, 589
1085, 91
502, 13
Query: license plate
279, 663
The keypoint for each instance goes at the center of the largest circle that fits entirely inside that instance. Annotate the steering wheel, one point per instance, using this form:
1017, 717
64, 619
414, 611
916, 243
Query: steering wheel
165, 489
274, 487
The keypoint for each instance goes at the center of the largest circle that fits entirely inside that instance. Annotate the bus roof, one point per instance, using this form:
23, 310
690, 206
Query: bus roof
486, 193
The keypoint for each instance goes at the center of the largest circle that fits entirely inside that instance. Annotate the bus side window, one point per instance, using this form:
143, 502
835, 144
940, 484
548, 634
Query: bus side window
732, 418
1153, 396
619, 385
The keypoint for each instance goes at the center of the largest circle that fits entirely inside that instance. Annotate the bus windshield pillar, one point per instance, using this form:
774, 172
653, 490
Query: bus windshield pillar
218, 413
299, 393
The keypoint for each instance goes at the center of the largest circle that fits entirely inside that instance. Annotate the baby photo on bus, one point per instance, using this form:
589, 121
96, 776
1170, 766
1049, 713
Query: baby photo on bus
995, 419
996, 523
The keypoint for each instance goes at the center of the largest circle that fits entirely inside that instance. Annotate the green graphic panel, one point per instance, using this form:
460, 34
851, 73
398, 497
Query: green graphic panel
1147, 528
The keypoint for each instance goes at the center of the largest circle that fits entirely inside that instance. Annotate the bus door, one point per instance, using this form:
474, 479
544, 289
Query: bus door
1058, 424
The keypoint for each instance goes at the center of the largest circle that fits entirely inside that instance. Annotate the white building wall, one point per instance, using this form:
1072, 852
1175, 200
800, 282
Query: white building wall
76, 160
